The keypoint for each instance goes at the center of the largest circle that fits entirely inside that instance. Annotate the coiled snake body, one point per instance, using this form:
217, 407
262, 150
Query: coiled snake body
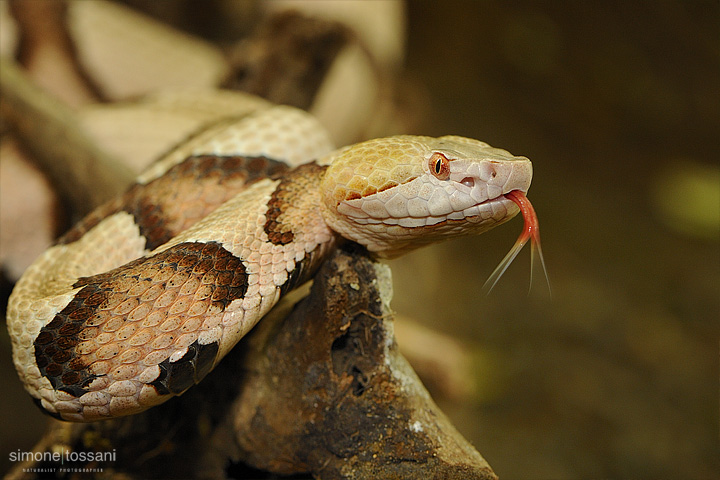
141, 299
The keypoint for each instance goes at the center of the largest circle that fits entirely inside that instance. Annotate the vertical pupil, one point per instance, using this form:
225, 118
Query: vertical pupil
438, 166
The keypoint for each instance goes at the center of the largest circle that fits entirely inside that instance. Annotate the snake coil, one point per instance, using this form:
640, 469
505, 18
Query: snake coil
141, 299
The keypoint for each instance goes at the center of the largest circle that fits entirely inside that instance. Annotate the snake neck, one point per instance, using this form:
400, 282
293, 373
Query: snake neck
295, 217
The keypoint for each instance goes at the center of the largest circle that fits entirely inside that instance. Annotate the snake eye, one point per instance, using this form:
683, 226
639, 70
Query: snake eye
439, 166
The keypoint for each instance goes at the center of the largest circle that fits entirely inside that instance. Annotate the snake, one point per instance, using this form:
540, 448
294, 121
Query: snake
142, 298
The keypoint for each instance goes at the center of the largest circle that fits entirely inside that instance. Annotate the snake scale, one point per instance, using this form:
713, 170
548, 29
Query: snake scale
142, 298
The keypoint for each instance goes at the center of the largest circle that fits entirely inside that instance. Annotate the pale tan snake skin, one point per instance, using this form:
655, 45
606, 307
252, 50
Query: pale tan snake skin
141, 299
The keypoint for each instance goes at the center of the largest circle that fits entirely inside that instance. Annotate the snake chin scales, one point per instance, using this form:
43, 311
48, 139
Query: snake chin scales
141, 299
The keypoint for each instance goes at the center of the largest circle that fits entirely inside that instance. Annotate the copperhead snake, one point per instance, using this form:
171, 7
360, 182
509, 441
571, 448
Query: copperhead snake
142, 298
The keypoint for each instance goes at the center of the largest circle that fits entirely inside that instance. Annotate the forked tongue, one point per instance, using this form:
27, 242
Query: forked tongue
531, 231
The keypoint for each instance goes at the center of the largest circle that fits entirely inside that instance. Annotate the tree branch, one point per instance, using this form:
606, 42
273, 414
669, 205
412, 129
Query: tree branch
83, 174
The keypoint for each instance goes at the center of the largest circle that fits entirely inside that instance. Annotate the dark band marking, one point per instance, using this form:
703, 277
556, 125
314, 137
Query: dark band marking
186, 193
176, 377
303, 271
293, 186
178, 199
217, 278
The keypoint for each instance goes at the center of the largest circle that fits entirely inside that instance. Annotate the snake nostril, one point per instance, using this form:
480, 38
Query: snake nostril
468, 182
489, 170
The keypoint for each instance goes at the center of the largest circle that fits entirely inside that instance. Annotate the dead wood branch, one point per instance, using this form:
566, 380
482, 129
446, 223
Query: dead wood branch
83, 174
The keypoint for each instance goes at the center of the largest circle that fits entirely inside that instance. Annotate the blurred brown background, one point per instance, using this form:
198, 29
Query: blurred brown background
617, 104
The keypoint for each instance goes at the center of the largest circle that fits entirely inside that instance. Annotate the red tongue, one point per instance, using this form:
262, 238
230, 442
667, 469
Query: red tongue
531, 231
532, 227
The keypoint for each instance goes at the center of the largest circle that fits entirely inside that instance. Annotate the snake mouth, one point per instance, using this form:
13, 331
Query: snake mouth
495, 210
497, 207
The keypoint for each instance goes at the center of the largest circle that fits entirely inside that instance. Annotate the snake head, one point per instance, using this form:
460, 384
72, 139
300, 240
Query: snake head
398, 193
